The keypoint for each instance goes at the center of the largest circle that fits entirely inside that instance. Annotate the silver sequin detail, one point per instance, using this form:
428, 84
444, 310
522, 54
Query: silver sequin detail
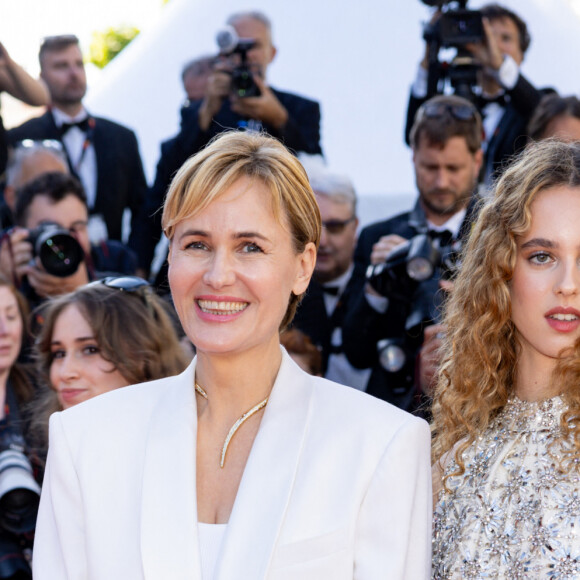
513, 513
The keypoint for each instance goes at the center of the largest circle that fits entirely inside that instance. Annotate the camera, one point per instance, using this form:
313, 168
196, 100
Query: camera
59, 252
409, 278
414, 262
243, 84
19, 492
456, 28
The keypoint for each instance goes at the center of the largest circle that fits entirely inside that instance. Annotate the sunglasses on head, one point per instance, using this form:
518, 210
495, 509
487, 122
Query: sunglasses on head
336, 227
130, 285
40, 144
436, 110
124, 283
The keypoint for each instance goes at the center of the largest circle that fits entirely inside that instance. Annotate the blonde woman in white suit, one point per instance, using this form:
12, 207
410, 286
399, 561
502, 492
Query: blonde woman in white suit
244, 466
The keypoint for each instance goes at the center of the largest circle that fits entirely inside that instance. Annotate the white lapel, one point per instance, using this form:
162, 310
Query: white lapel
169, 538
268, 478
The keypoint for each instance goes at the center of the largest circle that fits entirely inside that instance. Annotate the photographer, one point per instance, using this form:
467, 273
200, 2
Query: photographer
19, 490
56, 199
504, 97
292, 119
447, 158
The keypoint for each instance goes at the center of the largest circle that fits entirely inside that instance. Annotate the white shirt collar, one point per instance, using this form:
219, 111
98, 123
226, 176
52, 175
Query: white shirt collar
453, 224
60, 117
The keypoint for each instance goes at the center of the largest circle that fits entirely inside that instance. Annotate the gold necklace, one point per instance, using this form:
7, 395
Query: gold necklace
236, 425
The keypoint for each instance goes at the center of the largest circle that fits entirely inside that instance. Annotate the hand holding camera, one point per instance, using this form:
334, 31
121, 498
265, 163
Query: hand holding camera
266, 107
487, 52
240, 78
218, 88
49, 256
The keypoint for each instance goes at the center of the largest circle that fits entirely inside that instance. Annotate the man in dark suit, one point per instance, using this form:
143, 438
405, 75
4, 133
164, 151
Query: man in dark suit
322, 309
384, 329
506, 99
293, 119
102, 154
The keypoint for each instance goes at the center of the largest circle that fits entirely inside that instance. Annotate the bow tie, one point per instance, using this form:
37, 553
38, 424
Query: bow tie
484, 101
332, 290
83, 125
445, 237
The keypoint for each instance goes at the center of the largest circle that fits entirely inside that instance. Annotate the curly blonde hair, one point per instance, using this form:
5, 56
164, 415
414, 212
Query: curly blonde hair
480, 353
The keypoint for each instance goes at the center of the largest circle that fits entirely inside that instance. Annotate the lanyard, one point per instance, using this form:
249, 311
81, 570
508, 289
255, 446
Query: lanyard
75, 168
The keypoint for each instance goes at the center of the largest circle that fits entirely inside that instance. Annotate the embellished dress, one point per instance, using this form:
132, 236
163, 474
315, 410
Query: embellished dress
513, 514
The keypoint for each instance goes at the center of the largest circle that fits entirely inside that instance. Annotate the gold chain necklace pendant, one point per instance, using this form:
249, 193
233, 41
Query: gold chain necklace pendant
236, 425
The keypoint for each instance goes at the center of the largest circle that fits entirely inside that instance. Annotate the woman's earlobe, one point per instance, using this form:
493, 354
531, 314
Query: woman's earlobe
307, 264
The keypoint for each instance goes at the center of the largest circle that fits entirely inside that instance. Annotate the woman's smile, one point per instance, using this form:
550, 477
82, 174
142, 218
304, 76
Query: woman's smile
233, 268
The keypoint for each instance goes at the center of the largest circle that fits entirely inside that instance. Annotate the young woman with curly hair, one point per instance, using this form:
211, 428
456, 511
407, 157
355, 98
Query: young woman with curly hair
506, 409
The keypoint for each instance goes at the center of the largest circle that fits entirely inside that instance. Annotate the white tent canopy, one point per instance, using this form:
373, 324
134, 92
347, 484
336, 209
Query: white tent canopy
358, 59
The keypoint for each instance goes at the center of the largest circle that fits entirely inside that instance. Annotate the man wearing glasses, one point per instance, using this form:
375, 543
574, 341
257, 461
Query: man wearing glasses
321, 311
102, 154
385, 324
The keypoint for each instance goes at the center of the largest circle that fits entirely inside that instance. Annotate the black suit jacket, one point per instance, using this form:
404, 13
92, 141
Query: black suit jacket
364, 327
312, 319
120, 178
301, 134
510, 135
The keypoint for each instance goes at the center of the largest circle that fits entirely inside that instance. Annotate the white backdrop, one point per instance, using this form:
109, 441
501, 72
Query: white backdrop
358, 59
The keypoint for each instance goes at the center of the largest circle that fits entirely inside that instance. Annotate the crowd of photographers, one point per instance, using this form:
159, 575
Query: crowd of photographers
370, 317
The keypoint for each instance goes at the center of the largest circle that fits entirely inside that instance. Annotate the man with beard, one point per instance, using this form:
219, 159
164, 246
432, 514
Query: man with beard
102, 154
385, 325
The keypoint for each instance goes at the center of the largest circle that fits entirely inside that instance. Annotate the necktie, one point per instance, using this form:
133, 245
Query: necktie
82, 125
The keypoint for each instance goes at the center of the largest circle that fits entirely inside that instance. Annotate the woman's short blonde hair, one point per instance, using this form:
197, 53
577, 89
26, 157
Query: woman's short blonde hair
233, 155
481, 350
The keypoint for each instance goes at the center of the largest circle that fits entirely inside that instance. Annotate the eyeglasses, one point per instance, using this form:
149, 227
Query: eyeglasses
437, 110
336, 227
124, 283
130, 285
40, 144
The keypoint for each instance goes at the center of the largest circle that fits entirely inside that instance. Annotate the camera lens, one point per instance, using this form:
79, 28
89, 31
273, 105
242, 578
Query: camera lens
59, 253
391, 355
19, 492
419, 269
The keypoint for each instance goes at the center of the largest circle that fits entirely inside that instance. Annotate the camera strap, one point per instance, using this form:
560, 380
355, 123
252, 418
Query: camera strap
11, 410
90, 129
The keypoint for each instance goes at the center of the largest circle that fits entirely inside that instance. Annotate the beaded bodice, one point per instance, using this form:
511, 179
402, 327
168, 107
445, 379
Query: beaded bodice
513, 513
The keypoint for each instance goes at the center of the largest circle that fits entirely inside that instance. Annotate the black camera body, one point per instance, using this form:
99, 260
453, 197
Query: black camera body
59, 252
409, 278
460, 27
456, 28
243, 84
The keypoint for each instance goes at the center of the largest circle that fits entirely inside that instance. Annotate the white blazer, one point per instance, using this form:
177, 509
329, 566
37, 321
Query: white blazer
337, 487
